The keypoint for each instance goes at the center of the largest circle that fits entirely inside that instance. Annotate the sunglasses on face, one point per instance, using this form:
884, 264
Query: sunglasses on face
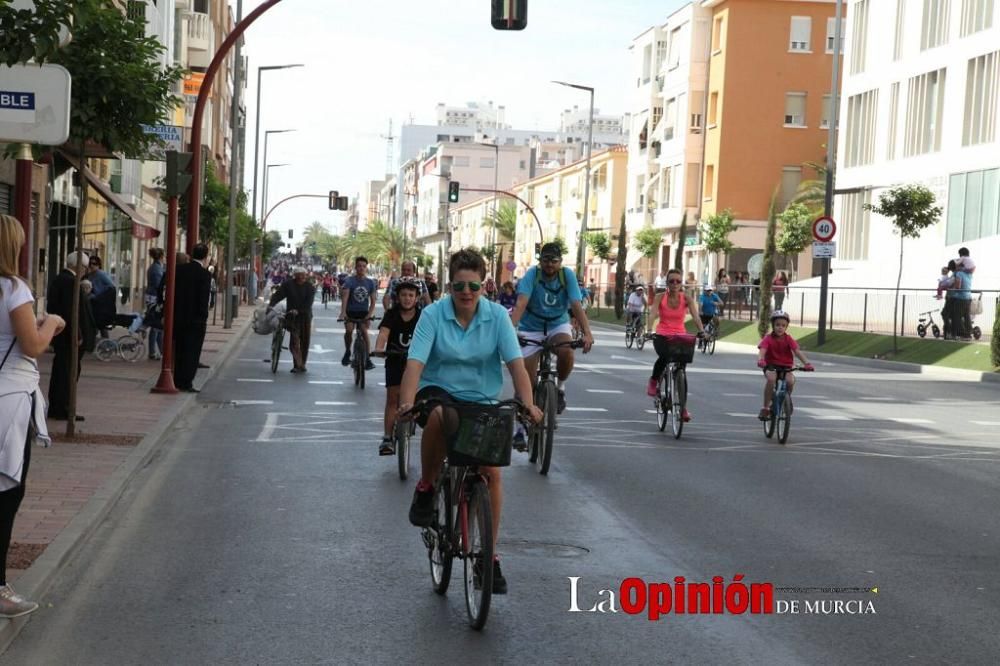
460, 286
673, 281
551, 260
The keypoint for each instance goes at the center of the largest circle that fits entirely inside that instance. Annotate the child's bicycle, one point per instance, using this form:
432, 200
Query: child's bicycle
403, 430
926, 323
780, 419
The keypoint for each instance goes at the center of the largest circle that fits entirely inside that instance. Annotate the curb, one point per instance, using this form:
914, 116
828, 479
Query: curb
40, 575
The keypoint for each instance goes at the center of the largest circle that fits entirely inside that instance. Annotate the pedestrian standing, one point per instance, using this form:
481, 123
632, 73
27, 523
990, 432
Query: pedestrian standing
962, 289
22, 408
660, 285
779, 288
722, 288
193, 283
59, 301
298, 294
946, 284
154, 278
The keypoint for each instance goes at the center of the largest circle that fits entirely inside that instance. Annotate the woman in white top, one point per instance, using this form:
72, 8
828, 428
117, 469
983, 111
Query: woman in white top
22, 406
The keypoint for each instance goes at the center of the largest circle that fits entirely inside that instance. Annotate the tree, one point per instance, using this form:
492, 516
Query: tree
34, 35
715, 231
620, 269
599, 244
681, 236
648, 241
383, 244
812, 193
911, 209
270, 243
796, 232
767, 271
504, 220
561, 242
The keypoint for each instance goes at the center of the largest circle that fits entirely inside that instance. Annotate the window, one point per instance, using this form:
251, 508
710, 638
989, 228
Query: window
697, 108
717, 35
924, 108
973, 206
859, 38
791, 176
666, 183
824, 120
934, 29
855, 224
657, 114
795, 109
861, 117
640, 188
487, 162
676, 46
709, 182
692, 172
799, 38
647, 57
897, 43
661, 54
671, 120
201, 6
976, 15
893, 119
713, 109
831, 35
981, 99
461, 161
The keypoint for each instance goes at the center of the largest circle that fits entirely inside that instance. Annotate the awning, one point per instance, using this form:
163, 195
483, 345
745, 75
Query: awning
140, 227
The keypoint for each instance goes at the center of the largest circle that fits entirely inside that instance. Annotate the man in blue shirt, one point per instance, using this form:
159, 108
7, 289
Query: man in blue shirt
709, 305
357, 301
545, 296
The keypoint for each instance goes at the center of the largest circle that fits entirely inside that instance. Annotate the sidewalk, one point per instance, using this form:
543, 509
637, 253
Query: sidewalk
120, 412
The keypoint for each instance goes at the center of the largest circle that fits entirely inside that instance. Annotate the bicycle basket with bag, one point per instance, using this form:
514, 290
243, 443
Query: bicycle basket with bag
264, 323
680, 348
482, 434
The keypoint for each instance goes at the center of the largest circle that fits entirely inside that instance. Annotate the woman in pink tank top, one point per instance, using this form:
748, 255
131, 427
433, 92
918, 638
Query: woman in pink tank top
672, 307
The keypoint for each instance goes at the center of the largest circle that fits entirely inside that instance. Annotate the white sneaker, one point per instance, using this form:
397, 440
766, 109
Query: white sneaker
13, 604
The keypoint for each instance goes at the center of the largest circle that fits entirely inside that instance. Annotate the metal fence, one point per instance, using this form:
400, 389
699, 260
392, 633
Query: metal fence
867, 310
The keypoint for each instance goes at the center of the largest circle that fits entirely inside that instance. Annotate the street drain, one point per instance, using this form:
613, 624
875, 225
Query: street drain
542, 548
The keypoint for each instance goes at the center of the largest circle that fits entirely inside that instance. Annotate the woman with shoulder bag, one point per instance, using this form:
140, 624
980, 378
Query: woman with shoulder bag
22, 406
154, 278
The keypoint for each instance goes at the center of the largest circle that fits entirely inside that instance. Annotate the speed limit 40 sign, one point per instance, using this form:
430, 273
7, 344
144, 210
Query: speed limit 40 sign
824, 229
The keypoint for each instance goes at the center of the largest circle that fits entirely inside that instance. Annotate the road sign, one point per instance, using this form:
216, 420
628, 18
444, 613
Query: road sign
192, 83
511, 266
824, 249
172, 137
824, 229
34, 104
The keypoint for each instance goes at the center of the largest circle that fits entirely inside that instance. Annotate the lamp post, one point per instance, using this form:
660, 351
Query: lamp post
256, 136
267, 170
496, 175
267, 135
581, 249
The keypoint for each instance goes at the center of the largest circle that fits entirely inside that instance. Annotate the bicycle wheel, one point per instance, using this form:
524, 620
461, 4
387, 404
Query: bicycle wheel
921, 330
130, 348
477, 551
629, 337
359, 361
276, 340
770, 423
784, 420
535, 433
640, 338
678, 401
546, 432
402, 437
977, 332
106, 350
711, 346
662, 400
438, 537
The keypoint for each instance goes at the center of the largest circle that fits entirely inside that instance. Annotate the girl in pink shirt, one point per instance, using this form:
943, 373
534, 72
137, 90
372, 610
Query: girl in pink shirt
672, 307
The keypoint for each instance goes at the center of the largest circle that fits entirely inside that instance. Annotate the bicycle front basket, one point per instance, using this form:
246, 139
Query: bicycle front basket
680, 348
482, 434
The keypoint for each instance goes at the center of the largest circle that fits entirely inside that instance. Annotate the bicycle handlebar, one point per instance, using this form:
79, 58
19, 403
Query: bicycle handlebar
572, 344
794, 368
386, 353
357, 320
424, 407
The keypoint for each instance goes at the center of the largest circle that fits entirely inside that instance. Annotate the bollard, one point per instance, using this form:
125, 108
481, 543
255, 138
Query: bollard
902, 317
831, 312
802, 309
864, 316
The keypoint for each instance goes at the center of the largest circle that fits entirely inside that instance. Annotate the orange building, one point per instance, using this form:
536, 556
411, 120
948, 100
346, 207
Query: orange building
768, 108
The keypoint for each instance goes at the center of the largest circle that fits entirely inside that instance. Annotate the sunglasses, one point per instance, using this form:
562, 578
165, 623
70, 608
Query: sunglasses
551, 260
460, 286
673, 281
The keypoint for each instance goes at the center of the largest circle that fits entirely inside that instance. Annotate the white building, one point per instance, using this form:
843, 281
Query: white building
919, 105
474, 115
574, 123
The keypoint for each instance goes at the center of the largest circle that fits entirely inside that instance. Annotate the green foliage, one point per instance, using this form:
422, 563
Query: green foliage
715, 230
270, 244
911, 209
620, 269
384, 244
796, 230
505, 220
599, 244
561, 242
681, 235
995, 341
648, 241
489, 252
27, 35
812, 193
767, 271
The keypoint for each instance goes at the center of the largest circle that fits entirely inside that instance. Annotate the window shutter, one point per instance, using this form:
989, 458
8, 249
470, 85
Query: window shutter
801, 27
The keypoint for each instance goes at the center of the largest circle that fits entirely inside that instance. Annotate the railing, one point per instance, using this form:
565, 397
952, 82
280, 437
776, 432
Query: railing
866, 310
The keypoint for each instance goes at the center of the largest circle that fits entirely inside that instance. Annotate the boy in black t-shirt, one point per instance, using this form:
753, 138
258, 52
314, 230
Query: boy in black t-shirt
394, 335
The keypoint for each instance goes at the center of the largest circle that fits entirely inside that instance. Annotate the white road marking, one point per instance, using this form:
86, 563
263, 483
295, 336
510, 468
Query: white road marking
241, 403
812, 397
585, 409
987, 423
324, 381
261, 381
604, 391
269, 425
831, 417
629, 358
740, 416
908, 420
326, 403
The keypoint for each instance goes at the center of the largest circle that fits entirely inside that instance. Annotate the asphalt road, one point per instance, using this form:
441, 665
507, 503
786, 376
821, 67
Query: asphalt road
268, 530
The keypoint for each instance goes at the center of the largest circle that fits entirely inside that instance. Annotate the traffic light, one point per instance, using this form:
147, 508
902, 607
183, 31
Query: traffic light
509, 14
343, 203
289, 233
538, 250
453, 191
178, 179
334, 195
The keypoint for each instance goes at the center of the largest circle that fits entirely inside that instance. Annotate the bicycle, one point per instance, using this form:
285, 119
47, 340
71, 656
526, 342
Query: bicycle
707, 343
926, 323
671, 386
128, 347
547, 399
780, 419
359, 349
402, 431
462, 526
635, 332
277, 343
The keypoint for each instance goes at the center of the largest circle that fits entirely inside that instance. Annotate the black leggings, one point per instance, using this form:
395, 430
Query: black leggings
10, 501
662, 348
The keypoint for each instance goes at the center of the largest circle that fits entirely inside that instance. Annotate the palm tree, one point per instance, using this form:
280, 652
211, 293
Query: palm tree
812, 193
384, 244
504, 220
316, 232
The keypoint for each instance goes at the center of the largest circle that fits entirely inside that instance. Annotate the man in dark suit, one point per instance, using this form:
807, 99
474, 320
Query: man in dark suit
59, 300
192, 287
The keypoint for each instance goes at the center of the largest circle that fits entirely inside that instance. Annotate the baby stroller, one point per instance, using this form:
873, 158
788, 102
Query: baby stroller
129, 347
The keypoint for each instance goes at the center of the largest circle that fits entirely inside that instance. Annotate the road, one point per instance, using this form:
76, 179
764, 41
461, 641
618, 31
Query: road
268, 531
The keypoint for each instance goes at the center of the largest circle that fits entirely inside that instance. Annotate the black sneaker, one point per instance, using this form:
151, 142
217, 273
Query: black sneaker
386, 448
499, 582
422, 508
369, 365
562, 402
346, 360
520, 441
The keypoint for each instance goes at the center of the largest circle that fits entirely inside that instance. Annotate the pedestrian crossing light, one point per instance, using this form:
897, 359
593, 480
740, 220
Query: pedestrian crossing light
453, 191
178, 179
509, 14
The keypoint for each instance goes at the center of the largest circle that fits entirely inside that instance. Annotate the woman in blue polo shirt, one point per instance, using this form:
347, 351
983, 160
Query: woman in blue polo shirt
458, 349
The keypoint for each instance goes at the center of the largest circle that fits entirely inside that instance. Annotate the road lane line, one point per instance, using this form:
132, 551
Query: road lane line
830, 417
332, 403
241, 403
604, 391
987, 423
324, 381
269, 425
901, 419
585, 409
261, 381
740, 416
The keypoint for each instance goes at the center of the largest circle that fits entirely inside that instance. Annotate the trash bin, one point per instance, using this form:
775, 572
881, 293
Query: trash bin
234, 303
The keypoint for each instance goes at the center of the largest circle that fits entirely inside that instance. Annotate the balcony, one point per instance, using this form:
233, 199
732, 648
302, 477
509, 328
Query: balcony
200, 34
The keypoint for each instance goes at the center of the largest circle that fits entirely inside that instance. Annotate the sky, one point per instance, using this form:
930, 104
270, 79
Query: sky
371, 61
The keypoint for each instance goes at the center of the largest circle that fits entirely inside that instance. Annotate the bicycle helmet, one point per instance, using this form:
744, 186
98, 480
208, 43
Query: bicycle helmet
780, 314
407, 282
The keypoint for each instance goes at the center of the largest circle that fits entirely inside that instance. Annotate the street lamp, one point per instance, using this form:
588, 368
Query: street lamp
267, 136
496, 186
256, 136
267, 170
586, 188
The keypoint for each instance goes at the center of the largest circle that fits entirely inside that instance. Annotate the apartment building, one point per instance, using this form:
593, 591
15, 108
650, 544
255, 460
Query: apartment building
920, 105
747, 82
